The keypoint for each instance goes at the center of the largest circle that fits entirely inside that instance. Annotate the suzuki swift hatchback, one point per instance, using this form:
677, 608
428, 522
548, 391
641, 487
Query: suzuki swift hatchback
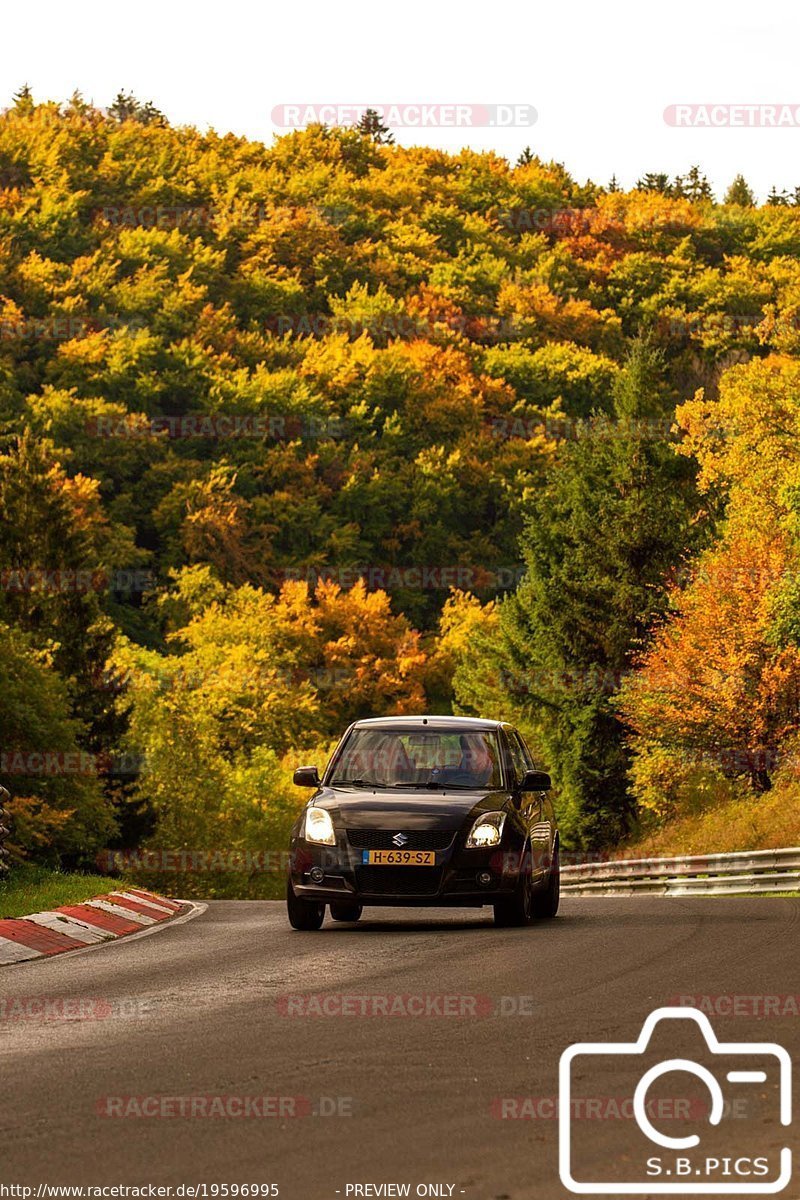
425, 811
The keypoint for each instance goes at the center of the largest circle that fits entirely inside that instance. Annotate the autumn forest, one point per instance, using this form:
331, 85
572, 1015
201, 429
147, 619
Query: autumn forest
298, 433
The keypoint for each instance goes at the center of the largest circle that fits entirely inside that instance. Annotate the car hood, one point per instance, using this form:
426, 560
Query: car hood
359, 808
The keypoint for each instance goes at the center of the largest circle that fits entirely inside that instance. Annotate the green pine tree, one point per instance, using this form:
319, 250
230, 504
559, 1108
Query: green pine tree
599, 539
23, 100
371, 125
740, 193
696, 186
653, 181
127, 108
777, 199
54, 579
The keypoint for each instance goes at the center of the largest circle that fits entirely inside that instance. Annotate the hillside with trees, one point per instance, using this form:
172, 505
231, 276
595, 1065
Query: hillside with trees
300, 433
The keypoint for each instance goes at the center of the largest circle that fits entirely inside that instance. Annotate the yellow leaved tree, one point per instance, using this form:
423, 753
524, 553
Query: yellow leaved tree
716, 695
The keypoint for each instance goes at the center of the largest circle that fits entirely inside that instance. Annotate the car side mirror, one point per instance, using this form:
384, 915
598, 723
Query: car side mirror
535, 781
306, 777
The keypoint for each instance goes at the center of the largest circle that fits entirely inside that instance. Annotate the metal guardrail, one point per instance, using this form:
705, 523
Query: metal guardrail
755, 871
3, 830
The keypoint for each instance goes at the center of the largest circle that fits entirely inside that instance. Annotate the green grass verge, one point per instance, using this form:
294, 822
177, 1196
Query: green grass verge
28, 889
767, 822
31, 888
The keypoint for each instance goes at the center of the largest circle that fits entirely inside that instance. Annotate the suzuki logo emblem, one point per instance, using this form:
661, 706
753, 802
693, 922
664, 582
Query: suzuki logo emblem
399, 839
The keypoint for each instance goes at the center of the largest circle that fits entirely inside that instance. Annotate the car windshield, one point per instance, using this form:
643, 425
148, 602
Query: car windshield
426, 759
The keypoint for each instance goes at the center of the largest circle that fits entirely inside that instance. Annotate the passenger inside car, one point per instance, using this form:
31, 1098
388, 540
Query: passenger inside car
419, 760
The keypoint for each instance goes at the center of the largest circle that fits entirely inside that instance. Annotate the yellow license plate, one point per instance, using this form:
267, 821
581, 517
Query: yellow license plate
400, 858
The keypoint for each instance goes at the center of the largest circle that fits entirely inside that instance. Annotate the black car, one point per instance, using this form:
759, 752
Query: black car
425, 811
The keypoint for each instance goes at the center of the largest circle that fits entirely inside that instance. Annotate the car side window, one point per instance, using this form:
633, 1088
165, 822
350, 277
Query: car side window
529, 760
517, 755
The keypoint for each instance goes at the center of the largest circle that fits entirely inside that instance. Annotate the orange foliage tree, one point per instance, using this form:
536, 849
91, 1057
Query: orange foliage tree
714, 686
717, 692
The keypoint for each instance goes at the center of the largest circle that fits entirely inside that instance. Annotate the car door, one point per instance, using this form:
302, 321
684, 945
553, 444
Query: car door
543, 829
531, 802
539, 811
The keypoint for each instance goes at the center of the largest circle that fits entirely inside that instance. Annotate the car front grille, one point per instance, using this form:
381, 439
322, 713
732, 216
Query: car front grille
416, 839
398, 881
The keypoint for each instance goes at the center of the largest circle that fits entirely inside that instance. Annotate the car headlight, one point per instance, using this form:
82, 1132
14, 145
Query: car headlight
319, 827
487, 830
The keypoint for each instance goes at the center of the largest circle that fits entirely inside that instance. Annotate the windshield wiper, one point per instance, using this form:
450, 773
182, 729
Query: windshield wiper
354, 783
432, 784
373, 784
457, 787
450, 787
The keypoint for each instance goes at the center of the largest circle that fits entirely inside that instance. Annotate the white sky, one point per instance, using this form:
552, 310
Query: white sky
599, 74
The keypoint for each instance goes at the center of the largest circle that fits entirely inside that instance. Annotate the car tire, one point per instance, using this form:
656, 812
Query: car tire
305, 915
545, 903
517, 909
346, 912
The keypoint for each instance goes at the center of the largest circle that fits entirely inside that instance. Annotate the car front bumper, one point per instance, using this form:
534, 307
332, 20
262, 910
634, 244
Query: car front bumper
460, 877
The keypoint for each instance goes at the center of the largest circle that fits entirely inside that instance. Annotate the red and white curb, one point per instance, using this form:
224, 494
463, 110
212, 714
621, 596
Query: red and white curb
101, 919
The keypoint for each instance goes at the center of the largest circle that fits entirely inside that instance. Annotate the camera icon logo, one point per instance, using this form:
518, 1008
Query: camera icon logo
726, 1113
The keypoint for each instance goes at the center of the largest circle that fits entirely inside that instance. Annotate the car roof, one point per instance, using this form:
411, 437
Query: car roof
432, 722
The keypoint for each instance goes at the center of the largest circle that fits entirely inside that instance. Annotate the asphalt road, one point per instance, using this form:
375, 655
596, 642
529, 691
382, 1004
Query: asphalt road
195, 1010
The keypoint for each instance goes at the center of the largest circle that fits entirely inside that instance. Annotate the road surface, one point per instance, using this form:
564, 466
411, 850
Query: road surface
198, 1013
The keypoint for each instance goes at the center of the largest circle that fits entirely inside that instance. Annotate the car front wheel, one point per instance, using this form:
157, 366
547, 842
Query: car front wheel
306, 915
545, 903
517, 909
